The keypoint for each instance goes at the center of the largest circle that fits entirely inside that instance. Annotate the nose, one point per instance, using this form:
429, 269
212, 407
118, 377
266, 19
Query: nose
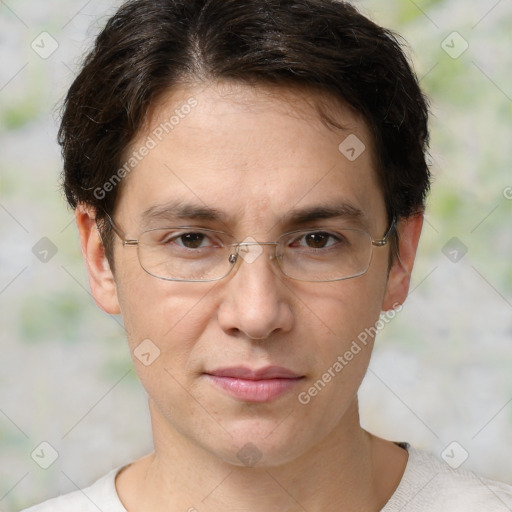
256, 301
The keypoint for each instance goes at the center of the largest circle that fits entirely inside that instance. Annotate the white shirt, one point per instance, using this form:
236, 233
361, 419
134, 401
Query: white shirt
427, 485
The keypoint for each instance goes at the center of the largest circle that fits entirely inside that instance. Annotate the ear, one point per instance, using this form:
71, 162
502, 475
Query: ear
101, 278
399, 279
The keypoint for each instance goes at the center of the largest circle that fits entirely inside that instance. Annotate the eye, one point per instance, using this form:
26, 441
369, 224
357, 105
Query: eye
186, 239
318, 240
192, 240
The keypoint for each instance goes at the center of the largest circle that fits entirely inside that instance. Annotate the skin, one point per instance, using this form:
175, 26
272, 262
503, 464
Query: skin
254, 154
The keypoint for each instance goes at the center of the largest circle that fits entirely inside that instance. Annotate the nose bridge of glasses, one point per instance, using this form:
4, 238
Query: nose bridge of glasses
240, 244
243, 249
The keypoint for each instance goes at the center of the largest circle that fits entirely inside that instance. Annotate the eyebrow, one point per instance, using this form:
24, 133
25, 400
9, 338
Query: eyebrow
182, 211
336, 210
190, 211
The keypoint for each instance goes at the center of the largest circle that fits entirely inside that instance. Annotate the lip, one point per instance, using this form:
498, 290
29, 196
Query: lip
254, 385
242, 372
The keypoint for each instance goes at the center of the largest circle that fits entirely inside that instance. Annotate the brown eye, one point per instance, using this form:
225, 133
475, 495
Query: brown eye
192, 240
317, 240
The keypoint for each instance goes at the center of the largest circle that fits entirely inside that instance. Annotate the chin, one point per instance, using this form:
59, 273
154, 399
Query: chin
260, 443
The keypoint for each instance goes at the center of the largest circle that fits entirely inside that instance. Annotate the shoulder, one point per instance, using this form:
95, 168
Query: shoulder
101, 495
429, 484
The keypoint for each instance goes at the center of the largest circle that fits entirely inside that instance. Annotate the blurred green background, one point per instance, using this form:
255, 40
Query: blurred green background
441, 371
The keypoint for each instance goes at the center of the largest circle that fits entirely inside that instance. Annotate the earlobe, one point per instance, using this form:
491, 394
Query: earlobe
101, 278
409, 230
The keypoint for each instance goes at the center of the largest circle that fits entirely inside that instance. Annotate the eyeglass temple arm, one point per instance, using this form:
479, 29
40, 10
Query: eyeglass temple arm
120, 233
385, 239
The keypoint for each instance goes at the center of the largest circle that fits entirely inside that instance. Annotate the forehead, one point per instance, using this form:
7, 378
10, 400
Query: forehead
252, 154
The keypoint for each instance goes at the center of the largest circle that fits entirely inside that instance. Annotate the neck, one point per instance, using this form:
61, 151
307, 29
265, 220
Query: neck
338, 473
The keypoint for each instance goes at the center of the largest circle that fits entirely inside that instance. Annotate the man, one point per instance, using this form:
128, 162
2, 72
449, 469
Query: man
249, 181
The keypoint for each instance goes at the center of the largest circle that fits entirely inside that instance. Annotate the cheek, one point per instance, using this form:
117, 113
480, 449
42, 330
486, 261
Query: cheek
169, 314
164, 322
344, 314
345, 308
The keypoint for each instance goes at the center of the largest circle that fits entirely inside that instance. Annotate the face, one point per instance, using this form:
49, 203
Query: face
255, 159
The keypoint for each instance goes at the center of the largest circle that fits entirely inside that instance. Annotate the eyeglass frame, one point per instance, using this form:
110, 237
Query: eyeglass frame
233, 258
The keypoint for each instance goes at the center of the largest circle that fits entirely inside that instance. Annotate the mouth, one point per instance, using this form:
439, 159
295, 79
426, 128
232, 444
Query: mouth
254, 385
